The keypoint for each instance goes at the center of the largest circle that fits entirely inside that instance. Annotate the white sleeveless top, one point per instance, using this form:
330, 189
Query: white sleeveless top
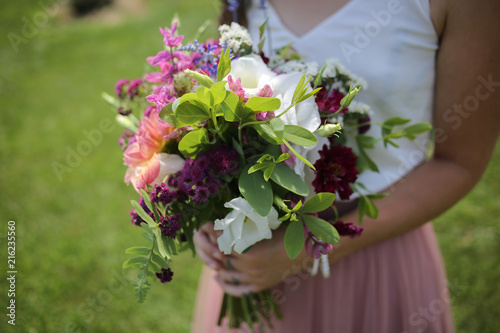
392, 45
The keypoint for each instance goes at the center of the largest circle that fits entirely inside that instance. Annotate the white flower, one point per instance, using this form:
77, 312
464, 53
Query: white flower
243, 226
359, 107
255, 75
307, 68
169, 164
234, 36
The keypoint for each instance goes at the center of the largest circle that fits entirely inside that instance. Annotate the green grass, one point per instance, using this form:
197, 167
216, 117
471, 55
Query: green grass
72, 230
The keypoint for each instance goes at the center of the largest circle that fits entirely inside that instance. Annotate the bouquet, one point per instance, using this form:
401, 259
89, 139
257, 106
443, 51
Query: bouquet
220, 133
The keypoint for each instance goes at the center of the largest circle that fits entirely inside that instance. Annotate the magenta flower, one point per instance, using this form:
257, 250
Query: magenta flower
168, 36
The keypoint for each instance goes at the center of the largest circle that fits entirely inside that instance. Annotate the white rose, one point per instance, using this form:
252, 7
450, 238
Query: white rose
243, 226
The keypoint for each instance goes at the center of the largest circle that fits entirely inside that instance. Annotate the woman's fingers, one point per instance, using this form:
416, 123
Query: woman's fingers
207, 250
236, 289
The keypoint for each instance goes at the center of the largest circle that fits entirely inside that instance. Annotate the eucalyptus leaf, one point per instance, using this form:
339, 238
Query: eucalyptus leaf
294, 239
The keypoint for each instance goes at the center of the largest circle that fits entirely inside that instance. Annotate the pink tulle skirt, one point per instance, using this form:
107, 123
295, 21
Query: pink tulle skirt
398, 286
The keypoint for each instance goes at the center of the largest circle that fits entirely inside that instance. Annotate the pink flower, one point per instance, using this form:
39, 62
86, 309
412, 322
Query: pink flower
144, 158
168, 36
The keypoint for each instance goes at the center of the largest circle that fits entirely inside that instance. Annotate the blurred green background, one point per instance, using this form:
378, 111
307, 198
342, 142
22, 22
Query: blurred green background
72, 224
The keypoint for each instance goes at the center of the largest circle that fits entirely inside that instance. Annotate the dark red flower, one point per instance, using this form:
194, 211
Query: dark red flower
347, 229
329, 103
335, 170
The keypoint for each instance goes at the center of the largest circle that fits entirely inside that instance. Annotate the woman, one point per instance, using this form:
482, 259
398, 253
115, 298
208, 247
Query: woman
427, 60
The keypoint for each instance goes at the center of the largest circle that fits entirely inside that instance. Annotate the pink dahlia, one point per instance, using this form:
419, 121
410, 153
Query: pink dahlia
144, 158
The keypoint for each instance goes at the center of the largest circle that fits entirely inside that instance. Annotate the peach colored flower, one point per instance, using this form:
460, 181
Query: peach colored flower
146, 162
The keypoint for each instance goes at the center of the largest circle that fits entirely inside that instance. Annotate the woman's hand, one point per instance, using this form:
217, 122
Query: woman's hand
263, 266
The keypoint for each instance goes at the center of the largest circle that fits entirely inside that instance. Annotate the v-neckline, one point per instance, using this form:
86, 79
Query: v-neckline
314, 28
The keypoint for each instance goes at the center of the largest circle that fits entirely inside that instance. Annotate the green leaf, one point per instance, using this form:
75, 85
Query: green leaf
299, 135
159, 260
294, 239
142, 213
136, 262
289, 146
288, 179
258, 104
278, 127
366, 141
365, 160
231, 107
256, 191
224, 66
218, 91
193, 142
259, 166
190, 114
366, 207
205, 96
269, 171
141, 288
202, 79
318, 203
346, 101
413, 130
283, 157
138, 250
321, 229
161, 245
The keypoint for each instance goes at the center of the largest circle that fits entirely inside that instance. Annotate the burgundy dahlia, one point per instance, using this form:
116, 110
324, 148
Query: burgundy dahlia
329, 103
335, 170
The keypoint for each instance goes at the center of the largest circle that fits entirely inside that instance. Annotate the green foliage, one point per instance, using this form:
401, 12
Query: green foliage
294, 239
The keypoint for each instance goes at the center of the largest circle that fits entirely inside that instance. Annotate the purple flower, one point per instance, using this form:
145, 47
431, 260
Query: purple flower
168, 36
119, 88
165, 275
202, 193
364, 125
223, 161
133, 88
315, 246
170, 225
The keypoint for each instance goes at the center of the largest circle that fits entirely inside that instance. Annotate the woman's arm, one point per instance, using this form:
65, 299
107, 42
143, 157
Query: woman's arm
466, 120
467, 123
